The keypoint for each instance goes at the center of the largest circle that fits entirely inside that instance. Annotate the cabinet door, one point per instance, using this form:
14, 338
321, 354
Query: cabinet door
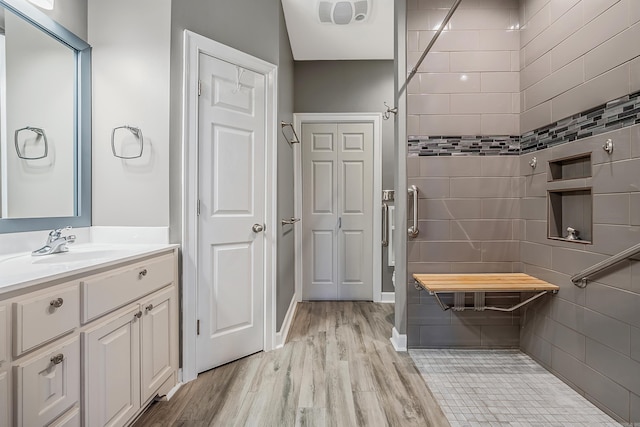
4, 399
47, 384
4, 343
112, 370
158, 340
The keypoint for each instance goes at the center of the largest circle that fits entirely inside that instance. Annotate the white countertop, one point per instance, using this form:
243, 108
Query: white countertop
21, 270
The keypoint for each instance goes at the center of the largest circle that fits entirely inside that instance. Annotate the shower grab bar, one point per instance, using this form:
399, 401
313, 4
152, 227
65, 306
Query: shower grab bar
413, 230
445, 22
385, 225
580, 279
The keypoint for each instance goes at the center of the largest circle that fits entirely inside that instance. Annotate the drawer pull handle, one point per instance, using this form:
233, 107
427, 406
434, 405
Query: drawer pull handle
56, 303
142, 274
149, 307
137, 315
57, 359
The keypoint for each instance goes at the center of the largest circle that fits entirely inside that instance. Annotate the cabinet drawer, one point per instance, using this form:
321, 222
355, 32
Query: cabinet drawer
48, 384
106, 292
70, 419
44, 317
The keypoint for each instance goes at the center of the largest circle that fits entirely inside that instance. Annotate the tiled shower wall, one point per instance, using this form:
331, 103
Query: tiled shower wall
576, 54
469, 211
588, 337
469, 205
469, 82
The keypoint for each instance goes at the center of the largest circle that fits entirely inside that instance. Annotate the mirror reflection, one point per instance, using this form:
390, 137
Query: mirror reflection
37, 122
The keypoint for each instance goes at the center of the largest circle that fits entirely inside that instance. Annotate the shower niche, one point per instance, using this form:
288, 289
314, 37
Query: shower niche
570, 200
570, 168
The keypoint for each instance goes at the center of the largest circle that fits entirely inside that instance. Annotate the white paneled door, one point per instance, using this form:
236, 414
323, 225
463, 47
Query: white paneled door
337, 168
231, 144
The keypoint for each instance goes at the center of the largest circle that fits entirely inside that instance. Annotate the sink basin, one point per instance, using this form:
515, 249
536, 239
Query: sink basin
76, 256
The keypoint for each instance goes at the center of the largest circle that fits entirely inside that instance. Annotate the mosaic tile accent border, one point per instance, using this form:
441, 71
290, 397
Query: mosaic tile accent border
464, 145
616, 114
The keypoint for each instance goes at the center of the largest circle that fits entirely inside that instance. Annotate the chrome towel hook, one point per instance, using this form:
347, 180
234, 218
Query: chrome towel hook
39, 133
387, 114
137, 132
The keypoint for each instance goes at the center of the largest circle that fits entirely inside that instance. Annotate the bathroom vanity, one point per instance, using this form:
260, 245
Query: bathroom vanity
87, 337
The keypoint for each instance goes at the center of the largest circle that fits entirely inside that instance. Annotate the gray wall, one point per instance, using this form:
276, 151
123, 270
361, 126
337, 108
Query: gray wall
130, 80
256, 28
588, 337
286, 243
71, 14
351, 86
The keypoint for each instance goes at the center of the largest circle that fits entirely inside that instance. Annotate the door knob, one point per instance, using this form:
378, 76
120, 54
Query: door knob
257, 228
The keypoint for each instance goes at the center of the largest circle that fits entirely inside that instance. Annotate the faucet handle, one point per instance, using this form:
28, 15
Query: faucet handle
55, 234
58, 231
71, 238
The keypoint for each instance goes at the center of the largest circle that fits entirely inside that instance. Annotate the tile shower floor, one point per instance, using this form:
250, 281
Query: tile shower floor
502, 388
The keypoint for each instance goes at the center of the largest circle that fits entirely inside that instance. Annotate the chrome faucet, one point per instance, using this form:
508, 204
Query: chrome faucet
56, 243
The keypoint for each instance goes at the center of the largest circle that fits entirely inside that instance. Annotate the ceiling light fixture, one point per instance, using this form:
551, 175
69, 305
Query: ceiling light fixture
44, 4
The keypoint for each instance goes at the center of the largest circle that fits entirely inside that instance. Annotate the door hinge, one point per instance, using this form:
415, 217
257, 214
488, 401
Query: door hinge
199, 87
198, 327
198, 208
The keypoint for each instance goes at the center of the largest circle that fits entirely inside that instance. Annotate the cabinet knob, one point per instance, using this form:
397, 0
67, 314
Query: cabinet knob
149, 307
142, 274
56, 303
138, 315
57, 359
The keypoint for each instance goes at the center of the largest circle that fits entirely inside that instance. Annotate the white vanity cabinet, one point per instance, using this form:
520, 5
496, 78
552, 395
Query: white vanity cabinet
91, 348
129, 357
112, 385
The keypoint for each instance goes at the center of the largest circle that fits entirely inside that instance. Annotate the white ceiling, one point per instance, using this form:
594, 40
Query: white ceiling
314, 40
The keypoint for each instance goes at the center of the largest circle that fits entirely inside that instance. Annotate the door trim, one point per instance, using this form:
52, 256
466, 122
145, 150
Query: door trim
376, 120
193, 45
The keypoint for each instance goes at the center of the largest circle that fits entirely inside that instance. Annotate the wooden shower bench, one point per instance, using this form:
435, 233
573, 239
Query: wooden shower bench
479, 284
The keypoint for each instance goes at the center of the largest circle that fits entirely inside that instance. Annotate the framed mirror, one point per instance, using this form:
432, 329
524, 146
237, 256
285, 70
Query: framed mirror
45, 122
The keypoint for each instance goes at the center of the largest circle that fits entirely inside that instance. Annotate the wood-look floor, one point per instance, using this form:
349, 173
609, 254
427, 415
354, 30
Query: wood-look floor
338, 368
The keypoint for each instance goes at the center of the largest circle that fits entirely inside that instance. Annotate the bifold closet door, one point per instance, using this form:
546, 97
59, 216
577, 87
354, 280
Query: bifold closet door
337, 165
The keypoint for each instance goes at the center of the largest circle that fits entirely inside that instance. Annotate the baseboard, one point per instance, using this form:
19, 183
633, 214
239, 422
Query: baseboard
388, 297
399, 341
281, 336
173, 391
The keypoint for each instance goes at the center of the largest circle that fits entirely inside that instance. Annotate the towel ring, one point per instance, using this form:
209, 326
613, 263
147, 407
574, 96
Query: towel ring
136, 132
40, 133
